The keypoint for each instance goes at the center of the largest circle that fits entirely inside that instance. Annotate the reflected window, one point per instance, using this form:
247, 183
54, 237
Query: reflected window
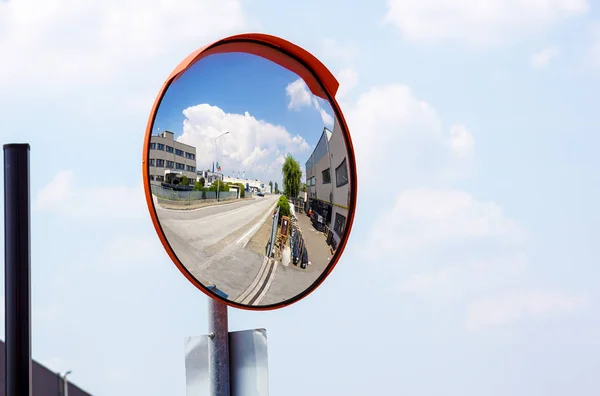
340, 222
326, 176
190, 156
152, 146
160, 163
151, 162
179, 152
160, 146
169, 149
180, 166
191, 168
341, 174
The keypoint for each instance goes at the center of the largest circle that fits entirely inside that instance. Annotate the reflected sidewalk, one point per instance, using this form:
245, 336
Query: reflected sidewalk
318, 251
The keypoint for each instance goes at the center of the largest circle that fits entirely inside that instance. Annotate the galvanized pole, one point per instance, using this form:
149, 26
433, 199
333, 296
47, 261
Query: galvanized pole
218, 348
17, 270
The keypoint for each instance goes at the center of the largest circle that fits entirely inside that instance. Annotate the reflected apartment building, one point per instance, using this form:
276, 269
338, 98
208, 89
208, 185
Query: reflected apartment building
327, 183
170, 160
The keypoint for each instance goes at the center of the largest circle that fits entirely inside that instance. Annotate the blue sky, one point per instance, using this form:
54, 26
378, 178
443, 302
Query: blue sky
238, 83
471, 267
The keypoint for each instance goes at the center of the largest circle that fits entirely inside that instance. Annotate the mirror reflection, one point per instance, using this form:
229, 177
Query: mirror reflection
249, 174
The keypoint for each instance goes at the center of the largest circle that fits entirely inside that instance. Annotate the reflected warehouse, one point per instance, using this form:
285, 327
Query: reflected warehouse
250, 178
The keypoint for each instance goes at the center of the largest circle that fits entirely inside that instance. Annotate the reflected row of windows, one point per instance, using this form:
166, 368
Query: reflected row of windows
341, 176
161, 163
169, 149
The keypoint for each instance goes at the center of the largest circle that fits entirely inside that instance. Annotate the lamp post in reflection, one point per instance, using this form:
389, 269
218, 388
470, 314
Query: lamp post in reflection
65, 383
217, 160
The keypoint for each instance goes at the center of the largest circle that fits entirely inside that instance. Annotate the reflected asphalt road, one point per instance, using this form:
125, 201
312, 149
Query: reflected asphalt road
210, 242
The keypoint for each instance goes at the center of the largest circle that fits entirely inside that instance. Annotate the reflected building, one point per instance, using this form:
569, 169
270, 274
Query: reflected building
44, 382
209, 177
170, 160
318, 182
250, 185
341, 185
327, 184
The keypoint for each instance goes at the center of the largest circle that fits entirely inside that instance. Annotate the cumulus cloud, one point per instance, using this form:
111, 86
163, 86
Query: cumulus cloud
66, 196
83, 42
476, 275
398, 135
300, 96
462, 142
480, 23
426, 218
439, 242
519, 305
344, 53
253, 145
348, 79
541, 59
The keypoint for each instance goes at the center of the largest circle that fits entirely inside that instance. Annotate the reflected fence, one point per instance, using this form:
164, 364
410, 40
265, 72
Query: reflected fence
189, 197
271, 241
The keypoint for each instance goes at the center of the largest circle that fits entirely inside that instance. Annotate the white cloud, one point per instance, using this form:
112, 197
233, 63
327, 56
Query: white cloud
344, 53
519, 305
462, 142
325, 116
541, 59
478, 23
442, 243
55, 192
348, 79
253, 145
475, 275
592, 59
427, 218
300, 96
66, 196
395, 134
132, 252
92, 42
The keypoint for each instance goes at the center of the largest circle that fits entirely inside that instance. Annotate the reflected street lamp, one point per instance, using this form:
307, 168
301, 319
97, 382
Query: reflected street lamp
217, 160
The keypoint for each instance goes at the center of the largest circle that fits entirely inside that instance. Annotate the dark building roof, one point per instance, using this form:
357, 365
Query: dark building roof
44, 381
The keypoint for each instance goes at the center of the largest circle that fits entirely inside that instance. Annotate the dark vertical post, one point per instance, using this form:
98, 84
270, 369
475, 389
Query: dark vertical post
218, 348
17, 265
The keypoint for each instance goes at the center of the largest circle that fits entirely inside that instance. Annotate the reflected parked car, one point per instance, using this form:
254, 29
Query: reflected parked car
261, 194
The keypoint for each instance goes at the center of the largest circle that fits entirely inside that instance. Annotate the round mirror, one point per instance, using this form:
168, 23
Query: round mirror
249, 171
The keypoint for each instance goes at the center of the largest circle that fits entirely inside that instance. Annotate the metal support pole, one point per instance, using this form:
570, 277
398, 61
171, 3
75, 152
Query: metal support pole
17, 266
218, 348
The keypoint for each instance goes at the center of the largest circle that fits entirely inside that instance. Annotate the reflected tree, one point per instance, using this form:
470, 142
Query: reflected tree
292, 176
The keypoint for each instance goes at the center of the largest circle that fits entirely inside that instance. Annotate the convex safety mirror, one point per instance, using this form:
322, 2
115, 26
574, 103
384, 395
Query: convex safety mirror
249, 171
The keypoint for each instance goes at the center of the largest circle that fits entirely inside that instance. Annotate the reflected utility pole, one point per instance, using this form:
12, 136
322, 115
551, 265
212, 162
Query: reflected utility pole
217, 160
